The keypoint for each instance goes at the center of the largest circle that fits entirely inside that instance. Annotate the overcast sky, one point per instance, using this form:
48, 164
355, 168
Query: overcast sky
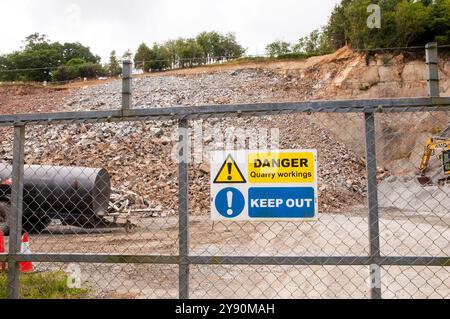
106, 25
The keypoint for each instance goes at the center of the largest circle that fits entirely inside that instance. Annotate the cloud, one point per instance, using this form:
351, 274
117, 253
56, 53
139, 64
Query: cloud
107, 25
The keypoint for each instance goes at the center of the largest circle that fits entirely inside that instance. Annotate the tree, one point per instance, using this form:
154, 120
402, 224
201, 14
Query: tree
77, 50
171, 48
39, 59
162, 59
412, 20
34, 40
308, 44
113, 67
128, 55
440, 22
190, 52
209, 42
206, 47
337, 26
403, 23
231, 48
143, 58
278, 48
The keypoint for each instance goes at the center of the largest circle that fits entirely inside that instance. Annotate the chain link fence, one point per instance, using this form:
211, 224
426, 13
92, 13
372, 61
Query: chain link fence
111, 208
117, 204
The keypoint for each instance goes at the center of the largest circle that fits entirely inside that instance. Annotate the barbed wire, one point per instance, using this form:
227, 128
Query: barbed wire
385, 64
332, 81
340, 68
392, 49
218, 59
28, 69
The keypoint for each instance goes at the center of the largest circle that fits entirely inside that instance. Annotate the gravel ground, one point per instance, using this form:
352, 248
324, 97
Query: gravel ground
402, 233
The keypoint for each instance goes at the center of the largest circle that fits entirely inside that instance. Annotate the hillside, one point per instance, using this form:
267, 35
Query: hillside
136, 153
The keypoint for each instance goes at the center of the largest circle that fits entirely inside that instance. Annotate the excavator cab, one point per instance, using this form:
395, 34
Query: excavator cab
446, 162
436, 146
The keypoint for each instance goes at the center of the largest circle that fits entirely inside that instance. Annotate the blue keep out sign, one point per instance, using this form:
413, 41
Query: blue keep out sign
281, 202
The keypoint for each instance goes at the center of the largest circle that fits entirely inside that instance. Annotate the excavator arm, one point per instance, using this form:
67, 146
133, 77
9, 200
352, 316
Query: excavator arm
426, 157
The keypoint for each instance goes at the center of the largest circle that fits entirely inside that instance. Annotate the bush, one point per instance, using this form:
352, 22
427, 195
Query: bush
40, 53
91, 70
65, 73
297, 55
74, 71
75, 62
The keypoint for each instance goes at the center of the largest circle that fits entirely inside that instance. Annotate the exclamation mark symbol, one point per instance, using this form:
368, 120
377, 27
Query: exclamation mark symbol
230, 203
229, 166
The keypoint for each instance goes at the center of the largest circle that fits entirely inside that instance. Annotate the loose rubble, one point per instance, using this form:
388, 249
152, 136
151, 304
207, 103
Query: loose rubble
139, 155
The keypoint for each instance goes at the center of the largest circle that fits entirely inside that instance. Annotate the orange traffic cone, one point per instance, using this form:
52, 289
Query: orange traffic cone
2, 250
25, 266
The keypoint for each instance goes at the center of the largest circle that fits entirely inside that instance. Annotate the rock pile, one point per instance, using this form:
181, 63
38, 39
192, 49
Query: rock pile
138, 155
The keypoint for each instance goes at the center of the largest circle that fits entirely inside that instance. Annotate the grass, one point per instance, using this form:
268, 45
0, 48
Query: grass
45, 285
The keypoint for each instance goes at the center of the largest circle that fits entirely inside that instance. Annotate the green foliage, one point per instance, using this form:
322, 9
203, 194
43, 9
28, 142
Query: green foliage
314, 44
412, 19
440, 23
206, 47
42, 57
278, 48
75, 62
78, 68
113, 68
51, 285
143, 57
91, 70
65, 73
127, 55
403, 23
77, 50
296, 56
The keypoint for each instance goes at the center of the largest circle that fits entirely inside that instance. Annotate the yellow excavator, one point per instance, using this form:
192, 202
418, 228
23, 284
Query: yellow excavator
439, 146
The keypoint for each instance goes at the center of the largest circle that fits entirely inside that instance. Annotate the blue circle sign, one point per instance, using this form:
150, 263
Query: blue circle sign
230, 202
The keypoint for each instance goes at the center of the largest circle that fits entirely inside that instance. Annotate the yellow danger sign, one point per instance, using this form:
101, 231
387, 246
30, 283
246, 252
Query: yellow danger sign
230, 173
282, 167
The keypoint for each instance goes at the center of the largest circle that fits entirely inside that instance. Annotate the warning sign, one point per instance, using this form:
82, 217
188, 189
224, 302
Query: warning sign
295, 167
229, 173
264, 185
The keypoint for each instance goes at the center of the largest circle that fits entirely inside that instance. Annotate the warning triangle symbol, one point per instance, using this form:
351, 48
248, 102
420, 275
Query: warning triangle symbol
229, 173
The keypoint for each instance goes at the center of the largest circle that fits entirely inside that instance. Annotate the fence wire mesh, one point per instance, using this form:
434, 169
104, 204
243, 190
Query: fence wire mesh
110, 211
112, 189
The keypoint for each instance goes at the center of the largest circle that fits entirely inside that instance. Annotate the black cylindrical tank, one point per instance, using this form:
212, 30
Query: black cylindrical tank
65, 190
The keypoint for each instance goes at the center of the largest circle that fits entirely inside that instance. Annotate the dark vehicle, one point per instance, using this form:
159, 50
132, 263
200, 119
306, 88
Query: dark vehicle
78, 196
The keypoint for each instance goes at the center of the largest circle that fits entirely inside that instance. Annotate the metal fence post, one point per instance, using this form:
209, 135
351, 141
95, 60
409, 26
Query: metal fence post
15, 218
126, 85
372, 196
183, 184
431, 50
